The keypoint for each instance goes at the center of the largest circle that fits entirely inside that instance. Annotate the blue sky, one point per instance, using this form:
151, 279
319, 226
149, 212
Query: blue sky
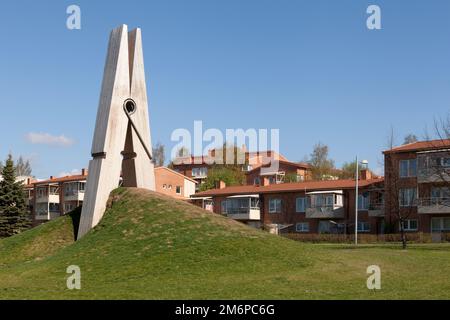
309, 68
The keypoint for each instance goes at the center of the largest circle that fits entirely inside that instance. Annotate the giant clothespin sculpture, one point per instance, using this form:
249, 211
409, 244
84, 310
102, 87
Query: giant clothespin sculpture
122, 133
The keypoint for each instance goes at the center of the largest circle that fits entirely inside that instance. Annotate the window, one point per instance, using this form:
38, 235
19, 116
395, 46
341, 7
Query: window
53, 207
446, 161
199, 172
408, 168
68, 207
440, 224
239, 205
324, 200
272, 180
407, 197
164, 186
300, 204
302, 227
363, 201
257, 181
169, 187
54, 190
410, 225
178, 190
274, 205
41, 192
440, 192
324, 227
363, 226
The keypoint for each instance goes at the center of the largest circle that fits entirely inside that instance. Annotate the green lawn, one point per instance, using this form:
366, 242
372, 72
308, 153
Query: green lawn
149, 246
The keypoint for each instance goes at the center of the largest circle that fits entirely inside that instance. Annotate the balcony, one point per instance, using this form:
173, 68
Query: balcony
325, 212
74, 195
242, 207
244, 214
54, 198
434, 174
433, 205
376, 210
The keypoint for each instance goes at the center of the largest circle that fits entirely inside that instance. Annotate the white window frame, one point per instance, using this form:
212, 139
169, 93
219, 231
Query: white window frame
410, 199
441, 224
408, 162
365, 224
363, 201
297, 209
408, 225
304, 227
275, 205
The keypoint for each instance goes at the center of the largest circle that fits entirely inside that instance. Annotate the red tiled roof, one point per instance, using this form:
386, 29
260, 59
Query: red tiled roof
62, 179
301, 165
421, 146
289, 187
207, 159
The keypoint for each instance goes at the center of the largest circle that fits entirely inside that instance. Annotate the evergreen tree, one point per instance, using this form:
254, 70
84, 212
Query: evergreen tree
14, 216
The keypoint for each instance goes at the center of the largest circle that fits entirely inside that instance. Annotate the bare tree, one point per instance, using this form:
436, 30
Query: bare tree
410, 138
401, 203
321, 166
158, 155
23, 167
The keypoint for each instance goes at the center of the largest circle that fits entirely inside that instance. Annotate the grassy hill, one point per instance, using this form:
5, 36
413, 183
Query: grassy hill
149, 246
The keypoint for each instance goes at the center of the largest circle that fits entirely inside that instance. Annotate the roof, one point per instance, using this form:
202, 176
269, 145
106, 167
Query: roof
421, 146
289, 187
177, 173
210, 159
62, 179
301, 165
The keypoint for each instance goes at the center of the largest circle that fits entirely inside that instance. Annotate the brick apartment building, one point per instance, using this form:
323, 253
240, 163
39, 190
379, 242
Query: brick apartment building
54, 197
49, 199
306, 207
279, 174
417, 183
174, 184
196, 167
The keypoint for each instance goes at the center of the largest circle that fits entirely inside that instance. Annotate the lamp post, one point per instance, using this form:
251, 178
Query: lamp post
363, 163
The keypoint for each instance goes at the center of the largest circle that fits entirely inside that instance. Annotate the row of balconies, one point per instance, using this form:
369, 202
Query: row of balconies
427, 175
424, 206
54, 198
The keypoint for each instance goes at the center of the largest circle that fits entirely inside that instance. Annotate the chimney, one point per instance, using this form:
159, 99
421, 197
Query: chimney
51, 177
265, 181
366, 174
83, 172
221, 185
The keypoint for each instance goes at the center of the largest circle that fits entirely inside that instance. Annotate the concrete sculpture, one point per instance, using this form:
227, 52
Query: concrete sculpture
122, 133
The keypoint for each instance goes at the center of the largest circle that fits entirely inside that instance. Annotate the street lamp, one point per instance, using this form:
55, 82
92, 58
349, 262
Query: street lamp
364, 163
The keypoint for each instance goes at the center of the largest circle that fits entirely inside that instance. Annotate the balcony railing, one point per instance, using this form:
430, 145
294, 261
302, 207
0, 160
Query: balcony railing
376, 209
325, 212
433, 174
244, 213
433, 205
